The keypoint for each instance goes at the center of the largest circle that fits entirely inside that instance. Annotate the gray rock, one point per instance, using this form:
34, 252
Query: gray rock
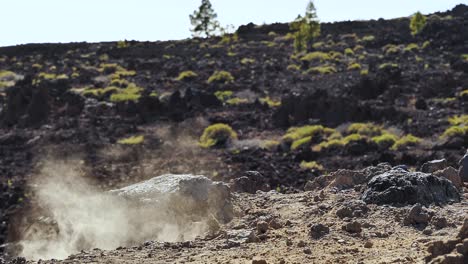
318, 230
418, 216
451, 174
184, 194
434, 165
463, 171
399, 187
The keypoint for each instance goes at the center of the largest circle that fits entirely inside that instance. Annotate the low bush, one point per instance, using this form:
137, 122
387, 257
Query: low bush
385, 141
406, 141
322, 70
316, 56
312, 165
131, 93
217, 135
237, 101
365, 129
186, 76
354, 66
221, 77
223, 95
247, 61
132, 140
270, 102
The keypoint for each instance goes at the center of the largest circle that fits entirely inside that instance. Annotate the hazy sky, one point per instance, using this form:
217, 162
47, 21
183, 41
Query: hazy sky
34, 21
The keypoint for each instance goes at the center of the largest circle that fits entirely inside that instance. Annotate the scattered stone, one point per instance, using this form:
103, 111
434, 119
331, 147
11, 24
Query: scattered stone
352, 209
451, 174
434, 165
242, 236
399, 187
418, 216
301, 243
452, 250
307, 251
353, 227
368, 244
439, 222
262, 227
317, 231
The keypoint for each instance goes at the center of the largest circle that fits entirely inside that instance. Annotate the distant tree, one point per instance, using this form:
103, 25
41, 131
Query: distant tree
204, 20
417, 23
305, 28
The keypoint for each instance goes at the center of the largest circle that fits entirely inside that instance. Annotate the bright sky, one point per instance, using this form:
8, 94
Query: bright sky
37, 21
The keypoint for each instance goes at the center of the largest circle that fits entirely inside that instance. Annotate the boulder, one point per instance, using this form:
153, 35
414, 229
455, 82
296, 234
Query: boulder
186, 194
452, 250
399, 187
434, 165
463, 171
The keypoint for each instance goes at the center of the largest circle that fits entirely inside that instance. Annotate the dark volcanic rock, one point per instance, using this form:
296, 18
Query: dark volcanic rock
400, 187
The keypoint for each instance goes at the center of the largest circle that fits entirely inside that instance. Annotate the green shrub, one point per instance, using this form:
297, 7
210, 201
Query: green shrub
330, 144
349, 52
426, 44
132, 140
246, 61
322, 70
458, 120
312, 165
122, 44
406, 141
351, 138
368, 38
186, 75
7, 75
316, 56
237, 101
318, 45
358, 48
216, 135
271, 103
417, 23
297, 143
391, 49
465, 57
297, 133
221, 77
335, 55
365, 129
455, 131
293, 67
98, 92
354, 66
385, 140
52, 76
223, 95
131, 93
411, 47
388, 65
269, 144
365, 72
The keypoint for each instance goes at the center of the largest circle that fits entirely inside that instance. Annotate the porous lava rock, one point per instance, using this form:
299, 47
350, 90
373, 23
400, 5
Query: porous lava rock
399, 187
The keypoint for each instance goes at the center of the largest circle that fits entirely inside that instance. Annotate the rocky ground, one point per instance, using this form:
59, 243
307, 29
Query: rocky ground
367, 92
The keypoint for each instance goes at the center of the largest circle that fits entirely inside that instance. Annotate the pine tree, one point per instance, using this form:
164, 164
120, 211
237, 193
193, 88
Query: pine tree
417, 23
204, 20
305, 28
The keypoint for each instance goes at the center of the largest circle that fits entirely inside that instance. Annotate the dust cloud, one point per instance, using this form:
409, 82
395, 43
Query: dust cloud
77, 216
